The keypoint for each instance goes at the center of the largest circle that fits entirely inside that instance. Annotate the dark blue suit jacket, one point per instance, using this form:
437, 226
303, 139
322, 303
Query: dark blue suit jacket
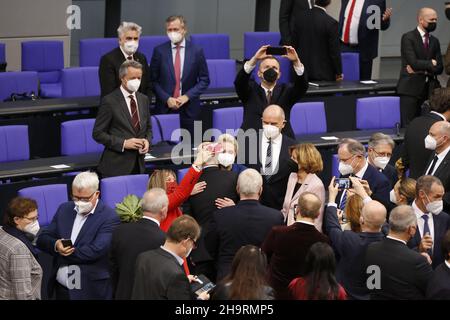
439, 285
91, 248
351, 247
441, 223
367, 38
194, 81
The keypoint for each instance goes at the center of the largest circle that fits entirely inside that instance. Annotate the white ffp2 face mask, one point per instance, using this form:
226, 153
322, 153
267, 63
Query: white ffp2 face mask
130, 47
225, 159
345, 169
83, 207
430, 143
381, 162
32, 228
175, 37
271, 132
133, 85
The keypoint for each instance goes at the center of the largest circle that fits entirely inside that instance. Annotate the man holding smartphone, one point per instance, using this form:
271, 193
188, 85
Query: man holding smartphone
256, 97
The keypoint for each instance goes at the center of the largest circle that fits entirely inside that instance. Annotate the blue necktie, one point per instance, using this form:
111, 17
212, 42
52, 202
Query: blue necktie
268, 165
343, 200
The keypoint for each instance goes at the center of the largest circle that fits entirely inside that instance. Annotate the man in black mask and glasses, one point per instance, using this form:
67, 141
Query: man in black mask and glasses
421, 64
256, 97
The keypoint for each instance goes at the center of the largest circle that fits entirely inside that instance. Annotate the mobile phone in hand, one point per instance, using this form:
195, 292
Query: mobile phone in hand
66, 243
276, 51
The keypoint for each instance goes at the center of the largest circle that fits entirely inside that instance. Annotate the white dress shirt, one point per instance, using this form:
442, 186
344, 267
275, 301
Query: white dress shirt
126, 55
182, 55
421, 222
422, 34
306, 222
396, 239
447, 264
151, 219
320, 8
179, 259
276, 149
127, 95
63, 272
441, 156
354, 24
439, 114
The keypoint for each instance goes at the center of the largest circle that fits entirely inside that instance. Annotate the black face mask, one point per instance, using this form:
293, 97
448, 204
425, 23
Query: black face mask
447, 13
431, 27
270, 75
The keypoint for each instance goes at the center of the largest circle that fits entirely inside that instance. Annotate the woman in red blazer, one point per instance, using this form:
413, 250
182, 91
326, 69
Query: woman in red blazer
177, 194
319, 283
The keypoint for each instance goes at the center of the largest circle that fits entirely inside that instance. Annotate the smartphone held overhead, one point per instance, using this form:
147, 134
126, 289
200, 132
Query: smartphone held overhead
276, 51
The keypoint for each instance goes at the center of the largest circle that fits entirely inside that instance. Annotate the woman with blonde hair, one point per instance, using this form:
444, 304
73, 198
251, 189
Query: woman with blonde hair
305, 179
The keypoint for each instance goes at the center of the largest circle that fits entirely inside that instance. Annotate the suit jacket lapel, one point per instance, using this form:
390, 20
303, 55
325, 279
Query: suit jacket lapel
188, 59
443, 166
141, 109
169, 60
91, 219
67, 231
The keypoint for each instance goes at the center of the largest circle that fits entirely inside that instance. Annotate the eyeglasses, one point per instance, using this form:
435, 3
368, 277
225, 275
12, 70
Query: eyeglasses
83, 199
194, 242
31, 219
383, 154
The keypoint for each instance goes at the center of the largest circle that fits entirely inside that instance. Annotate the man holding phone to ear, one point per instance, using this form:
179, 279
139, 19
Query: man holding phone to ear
256, 97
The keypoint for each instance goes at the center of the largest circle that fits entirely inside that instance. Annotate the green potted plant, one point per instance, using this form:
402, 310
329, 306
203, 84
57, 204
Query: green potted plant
129, 210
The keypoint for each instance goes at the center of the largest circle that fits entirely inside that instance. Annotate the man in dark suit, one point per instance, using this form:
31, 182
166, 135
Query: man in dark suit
439, 285
286, 247
379, 153
131, 239
432, 223
219, 184
414, 155
351, 246
256, 97
268, 153
438, 139
179, 75
246, 223
352, 161
123, 125
290, 12
359, 30
316, 38
129, 34
421, 64
400, 273
81, 270
159, 273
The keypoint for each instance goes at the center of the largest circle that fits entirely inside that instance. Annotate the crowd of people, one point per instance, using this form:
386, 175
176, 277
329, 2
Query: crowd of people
266, 227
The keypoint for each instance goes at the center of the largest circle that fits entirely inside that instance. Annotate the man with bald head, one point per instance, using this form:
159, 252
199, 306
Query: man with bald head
438, 140
421, 64
351, 246
273, 158
256, 97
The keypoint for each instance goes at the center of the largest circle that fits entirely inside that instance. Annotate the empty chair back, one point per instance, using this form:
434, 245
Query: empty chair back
164, 126
215, 46
14, 143
114, 189
377, 113
222, 73
148, 43
228, 120
255, 40
308, 118
350, 66
91, 50
76, 137
80, 82
18, 82
48, 198
45, 57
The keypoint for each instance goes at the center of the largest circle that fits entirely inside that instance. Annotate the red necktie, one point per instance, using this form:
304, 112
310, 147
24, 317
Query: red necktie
349, 22
134, 114
426, 43
177, 67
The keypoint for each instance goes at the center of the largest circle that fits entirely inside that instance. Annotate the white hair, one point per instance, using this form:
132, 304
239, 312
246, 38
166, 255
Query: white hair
154, 200
86, 180
401, 218
127, 26
249, 182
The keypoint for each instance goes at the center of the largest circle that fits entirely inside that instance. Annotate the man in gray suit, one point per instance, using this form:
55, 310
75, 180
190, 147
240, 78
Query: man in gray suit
123, 125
